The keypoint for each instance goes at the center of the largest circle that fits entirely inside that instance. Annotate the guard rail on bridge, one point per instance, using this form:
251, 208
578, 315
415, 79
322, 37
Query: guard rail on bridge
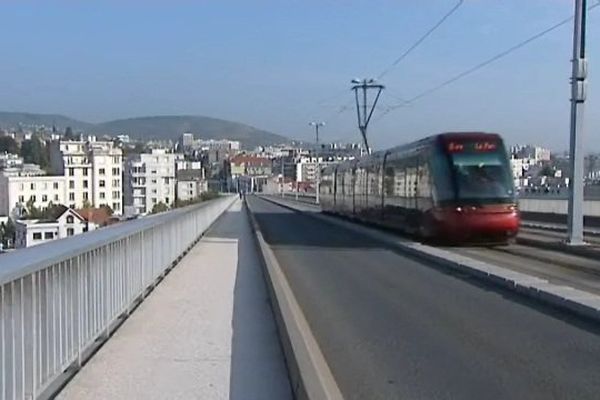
58, 299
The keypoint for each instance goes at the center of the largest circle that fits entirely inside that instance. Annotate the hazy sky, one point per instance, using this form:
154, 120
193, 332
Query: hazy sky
278, 64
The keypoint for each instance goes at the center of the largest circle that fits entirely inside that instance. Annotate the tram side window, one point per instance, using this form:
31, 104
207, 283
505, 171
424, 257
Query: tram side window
443, 190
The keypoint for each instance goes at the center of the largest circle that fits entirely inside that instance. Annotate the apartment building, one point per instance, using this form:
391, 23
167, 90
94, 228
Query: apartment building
17, 190
150, 179
93, 172
190, 184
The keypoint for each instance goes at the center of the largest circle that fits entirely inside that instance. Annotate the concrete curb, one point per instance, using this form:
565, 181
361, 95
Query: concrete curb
310, 374
563, 297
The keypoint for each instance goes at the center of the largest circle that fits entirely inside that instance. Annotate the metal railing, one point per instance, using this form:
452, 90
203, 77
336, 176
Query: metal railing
59, 298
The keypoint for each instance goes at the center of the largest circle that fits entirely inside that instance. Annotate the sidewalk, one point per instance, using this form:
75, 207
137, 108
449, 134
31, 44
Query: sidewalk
206, 332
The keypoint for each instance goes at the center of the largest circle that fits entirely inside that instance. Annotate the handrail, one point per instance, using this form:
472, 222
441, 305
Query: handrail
59, 298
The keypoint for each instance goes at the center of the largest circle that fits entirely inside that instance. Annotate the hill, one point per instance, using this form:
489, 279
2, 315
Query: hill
171, 127
154, 127
13, 119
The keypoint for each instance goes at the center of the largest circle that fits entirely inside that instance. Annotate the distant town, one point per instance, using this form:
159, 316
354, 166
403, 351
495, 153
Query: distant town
60, 183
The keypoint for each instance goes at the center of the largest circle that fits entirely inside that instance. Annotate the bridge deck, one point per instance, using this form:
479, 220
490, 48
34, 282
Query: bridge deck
206, 332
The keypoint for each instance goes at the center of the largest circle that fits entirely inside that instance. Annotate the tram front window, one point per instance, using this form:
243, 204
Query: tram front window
482, 176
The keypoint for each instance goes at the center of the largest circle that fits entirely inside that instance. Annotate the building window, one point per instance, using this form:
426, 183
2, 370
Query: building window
85, 172
45, 186
21, 187
70, 219
116, 171
55, 197
102, 171
44, 197
154, 181
154, 191
70, 231
166, 181
116, 195
116, 206
21, 199
85, 184
153, 171
71, 171
167, 200
116, 159
32, 186
116, 182
154, 201
55, 185
37, 235
85, 195
71, 184
102, 183
102, 195
48, 235
72, 196
33, 198
191, 185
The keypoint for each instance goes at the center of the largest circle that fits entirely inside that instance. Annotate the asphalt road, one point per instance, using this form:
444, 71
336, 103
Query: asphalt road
391, 327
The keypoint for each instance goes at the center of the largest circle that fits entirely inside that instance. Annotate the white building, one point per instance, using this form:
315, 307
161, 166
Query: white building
66, 223
150, 179
190, 184
9, 160
182, 164
306, 167
17, 190
93, 171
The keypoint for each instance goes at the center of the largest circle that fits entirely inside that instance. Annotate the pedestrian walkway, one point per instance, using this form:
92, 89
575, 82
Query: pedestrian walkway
206, 332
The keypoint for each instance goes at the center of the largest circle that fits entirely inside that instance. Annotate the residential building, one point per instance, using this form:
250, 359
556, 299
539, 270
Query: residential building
150, 179
190, 184
306, 167
537, 153
243, 164
93, 170
64, 223
16, 190
9, 160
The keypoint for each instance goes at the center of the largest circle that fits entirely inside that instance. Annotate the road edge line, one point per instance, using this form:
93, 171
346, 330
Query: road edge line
311, 376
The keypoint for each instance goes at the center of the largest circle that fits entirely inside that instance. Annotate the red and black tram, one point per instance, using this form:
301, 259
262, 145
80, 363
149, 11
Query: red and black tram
455, 187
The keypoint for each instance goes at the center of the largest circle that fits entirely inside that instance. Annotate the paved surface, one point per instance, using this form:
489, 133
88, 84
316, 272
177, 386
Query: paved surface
391, 327
206, 332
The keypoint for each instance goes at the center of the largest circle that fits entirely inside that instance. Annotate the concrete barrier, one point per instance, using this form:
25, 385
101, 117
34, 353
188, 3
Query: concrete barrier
310, 375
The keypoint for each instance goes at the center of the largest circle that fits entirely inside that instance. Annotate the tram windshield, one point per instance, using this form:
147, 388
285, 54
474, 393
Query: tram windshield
481, 173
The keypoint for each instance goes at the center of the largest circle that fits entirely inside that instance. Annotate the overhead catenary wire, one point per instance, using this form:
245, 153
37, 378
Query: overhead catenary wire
397, 61
490, 60
421, 39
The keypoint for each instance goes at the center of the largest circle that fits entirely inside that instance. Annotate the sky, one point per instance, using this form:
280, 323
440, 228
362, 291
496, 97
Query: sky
277, 65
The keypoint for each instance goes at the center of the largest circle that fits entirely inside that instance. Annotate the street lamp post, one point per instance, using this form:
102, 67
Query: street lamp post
317, 125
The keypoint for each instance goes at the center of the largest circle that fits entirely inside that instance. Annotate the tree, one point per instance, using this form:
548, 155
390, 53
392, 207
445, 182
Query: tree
546, 171
159, 207
69, 135
7, 232
32, 211
86, 204
34, 151
9, 145
108, 209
